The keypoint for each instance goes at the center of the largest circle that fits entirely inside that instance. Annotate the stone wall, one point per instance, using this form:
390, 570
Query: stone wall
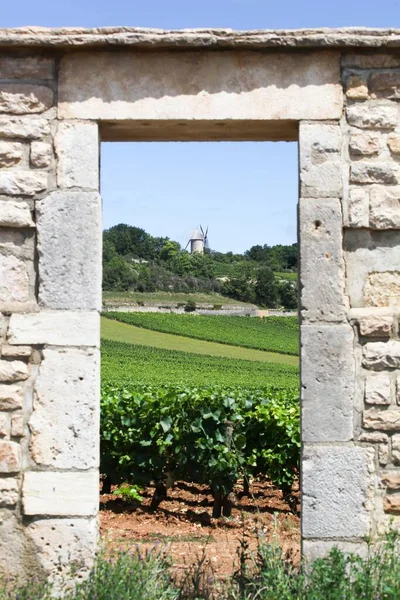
49, 301
55, 98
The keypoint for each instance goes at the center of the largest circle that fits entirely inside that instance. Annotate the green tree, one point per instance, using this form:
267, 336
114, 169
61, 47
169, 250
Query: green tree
266, 289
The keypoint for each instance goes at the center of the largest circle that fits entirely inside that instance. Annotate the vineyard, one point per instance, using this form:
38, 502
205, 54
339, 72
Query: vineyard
274, 334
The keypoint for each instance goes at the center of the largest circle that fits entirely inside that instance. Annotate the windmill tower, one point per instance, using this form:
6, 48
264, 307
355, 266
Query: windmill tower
198, 241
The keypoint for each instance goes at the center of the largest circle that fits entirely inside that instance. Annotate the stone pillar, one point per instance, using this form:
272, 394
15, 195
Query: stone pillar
50, 296
337, 473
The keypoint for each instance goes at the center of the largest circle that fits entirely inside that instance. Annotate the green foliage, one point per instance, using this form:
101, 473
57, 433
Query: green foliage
266, 290
273, 334
125, 364
207, 435
190, 306
129, 492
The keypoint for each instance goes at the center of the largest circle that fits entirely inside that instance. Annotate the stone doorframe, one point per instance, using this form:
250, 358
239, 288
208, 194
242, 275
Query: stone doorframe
61, 92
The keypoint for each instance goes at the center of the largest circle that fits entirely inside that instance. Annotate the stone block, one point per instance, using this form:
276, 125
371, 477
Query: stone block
26, 67
368, 252
327, 382
382, 289
73, 402
10, 457
372, 115
356, 88
60, 494
11, 397
4, 425
373, 172
17, 561
358, 207
65, 548
385, 85
320, 223
371, 60
15, 214
77, 149
17, 426
337, 485
57, 328
15, 284
382, 419
20, 98
391, 480
376, 326
69, 250
13, 370
374, 437
320, 160
365, 144
394, 143
215, 85
383, 454
9, 493
396, 449
22, 183
379, 356
392, 503
11, 153
385, 208
314, 549
378, 388
27, 127
41, 155
16, 351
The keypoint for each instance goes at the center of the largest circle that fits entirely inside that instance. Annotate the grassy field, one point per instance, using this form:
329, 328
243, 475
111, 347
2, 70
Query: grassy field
127, 364
268, 334
286, 276
130, 334
121, 298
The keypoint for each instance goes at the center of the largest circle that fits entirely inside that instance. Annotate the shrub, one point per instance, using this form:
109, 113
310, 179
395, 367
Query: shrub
190, 306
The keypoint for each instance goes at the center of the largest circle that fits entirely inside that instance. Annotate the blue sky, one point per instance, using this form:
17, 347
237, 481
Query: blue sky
245, 192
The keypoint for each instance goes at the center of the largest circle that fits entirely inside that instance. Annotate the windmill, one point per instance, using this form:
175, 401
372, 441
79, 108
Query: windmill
198, 241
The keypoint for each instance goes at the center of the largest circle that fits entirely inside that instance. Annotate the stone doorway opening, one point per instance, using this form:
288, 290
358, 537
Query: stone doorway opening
247, 193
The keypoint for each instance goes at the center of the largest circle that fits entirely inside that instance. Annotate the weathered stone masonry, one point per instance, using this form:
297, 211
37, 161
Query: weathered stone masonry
62, 91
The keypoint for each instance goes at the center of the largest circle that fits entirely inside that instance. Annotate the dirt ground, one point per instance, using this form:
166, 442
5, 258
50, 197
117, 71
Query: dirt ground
183, 526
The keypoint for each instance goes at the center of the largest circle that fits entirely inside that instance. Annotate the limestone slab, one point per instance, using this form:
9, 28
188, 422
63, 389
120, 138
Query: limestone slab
22, 183
373, 172
320, 224
385, 85
11, 153
56, 328
396, 449
77, 149
391, 480
20, 99
392, 503
378, 388
320, 160
13, 370
315, 549
394, 143
379, 356
10, 457
376, 326
337, 483
24, 127
72, 401
41, 154
9, 491
199, 85
365, 144
358, 207
327, 382
60, 494
381, 419
64, 547
15, 284
385, 207
26, 67
15, 214
382, 289
372, 115
69, 245
11, 397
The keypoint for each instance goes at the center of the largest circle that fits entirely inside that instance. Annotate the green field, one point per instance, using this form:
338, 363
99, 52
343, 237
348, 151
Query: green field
126, 298
268, 334
130, 334
127, 364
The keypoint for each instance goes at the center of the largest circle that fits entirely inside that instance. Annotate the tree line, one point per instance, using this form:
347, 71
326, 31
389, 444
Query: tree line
135, 260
